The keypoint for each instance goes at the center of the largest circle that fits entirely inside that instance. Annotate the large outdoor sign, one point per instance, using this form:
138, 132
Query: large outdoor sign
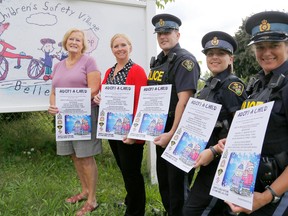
30, 39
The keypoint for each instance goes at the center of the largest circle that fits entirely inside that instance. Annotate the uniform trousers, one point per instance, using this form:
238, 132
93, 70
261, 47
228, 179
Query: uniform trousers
171, 182
129, 160
199, 202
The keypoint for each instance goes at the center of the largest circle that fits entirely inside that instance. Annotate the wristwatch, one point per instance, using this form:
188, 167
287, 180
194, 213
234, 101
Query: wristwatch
215, 153
275, 198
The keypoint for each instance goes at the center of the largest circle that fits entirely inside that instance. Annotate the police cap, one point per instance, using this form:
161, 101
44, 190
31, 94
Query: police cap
166, 23
219, 40
267, 26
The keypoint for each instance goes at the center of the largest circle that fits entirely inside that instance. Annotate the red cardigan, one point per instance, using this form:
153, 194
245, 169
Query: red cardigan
137, 77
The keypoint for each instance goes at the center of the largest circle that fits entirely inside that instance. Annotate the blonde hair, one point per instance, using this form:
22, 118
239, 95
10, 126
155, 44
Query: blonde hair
120, 36
68, 33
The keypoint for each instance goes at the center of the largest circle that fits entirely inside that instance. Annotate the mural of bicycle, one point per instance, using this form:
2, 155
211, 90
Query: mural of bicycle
35, 68
4, 55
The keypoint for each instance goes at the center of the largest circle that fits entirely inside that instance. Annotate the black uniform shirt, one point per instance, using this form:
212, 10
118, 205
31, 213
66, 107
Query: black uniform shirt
276, 137
230, 93
184, 71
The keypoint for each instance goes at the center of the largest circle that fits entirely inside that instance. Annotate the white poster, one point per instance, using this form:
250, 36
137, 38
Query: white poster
73, 122
236, 173
152, 112
115, 111
193, 133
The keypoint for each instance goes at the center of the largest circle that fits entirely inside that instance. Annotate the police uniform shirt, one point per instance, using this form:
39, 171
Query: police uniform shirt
230, 94
276, 133
185, 69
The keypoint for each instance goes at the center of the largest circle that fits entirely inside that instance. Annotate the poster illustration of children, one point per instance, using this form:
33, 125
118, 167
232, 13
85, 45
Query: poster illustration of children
152, 124
236, 179
189, 148
151, 127
118, 126
195, 152
159, 127
186, 154
85, 127
77, 124
240, 174
125, 126
247, 179
77, 127
118, 123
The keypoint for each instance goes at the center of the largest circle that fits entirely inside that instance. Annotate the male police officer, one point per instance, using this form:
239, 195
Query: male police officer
178, 67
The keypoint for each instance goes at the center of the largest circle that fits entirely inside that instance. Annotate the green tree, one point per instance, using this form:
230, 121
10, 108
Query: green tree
161, 3
244, 63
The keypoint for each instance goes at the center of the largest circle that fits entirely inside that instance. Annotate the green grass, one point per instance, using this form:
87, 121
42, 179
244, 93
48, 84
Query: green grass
37, 183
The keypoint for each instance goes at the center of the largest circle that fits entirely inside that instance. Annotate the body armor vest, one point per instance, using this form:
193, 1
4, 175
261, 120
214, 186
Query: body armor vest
260, 97
162, 73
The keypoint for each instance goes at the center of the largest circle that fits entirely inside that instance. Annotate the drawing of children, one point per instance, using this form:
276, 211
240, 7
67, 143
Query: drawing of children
117, 126
125, 126
151, 127
77, 127
84, 127
186, 154
159, 126
195, 152
236, 179
247, 178
47, 48
60, 55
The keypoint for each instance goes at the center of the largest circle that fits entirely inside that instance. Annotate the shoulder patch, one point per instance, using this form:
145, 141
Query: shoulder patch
236, 87
188, 64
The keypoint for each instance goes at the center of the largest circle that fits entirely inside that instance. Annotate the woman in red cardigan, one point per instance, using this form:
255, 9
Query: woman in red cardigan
127, 153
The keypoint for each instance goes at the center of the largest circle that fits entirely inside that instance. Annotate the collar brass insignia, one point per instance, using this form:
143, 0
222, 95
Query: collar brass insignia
215, 41
264, 26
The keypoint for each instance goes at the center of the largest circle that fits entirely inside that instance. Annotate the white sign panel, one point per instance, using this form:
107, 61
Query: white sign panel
73, 122
152, 112
31, 33
115, 111
193, 133
237, 170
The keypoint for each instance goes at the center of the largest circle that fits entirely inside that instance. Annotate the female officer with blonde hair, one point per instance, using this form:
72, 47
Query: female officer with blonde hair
228, 90
269, 41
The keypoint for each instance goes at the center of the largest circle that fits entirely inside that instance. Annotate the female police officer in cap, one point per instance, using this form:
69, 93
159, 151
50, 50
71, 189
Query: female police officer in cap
269, 42
228, 90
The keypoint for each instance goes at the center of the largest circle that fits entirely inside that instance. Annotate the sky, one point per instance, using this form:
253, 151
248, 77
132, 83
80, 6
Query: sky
202, 16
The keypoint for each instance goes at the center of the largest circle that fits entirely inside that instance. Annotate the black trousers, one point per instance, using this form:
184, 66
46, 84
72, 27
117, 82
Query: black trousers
199, 202
171, 184
129, 160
